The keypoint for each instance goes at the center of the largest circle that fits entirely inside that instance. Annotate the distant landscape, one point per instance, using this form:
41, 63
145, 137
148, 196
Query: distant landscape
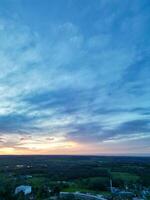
62, 177
74, 99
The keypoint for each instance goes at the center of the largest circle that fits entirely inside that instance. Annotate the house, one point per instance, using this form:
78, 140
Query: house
28, 176
26, 189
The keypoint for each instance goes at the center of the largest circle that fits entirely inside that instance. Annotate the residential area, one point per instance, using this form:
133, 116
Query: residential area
74, 177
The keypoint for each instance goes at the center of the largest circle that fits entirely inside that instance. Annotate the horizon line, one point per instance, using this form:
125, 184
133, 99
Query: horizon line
86, 155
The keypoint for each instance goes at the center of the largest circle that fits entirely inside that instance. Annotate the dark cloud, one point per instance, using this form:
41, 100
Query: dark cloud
142, 125
129, 128
85, 132
96, 132
17, 123
64, 100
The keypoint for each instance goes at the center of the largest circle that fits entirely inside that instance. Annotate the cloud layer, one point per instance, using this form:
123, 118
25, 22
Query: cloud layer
78, 81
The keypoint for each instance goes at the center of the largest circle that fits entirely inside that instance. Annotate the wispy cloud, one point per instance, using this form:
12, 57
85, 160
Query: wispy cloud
82, 79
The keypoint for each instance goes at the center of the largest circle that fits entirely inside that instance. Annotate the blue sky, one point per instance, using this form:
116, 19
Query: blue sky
74, 77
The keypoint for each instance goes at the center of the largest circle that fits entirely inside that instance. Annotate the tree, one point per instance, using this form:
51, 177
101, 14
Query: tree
21, 196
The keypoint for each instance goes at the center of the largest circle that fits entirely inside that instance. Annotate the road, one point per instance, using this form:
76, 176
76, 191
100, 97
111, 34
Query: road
83, 195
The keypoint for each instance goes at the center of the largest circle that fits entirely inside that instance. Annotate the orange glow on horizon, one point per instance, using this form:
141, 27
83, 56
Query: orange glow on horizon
67, 148
46, 145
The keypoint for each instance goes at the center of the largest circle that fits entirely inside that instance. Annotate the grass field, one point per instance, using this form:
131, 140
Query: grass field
127, 177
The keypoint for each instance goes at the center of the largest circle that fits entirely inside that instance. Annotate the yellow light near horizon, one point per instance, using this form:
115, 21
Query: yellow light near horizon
40, 144
43, 146
7, 150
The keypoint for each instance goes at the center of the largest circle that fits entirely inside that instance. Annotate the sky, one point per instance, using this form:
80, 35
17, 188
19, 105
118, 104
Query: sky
75, 77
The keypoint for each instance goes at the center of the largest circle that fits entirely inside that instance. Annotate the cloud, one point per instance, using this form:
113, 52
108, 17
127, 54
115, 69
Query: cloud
98, 132
17, 123
86, 79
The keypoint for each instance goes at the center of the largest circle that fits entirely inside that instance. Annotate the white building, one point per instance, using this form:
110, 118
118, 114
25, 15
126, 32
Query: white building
26, 189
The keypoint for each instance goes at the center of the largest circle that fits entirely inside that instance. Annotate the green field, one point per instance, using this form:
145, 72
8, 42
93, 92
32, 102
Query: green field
127, 177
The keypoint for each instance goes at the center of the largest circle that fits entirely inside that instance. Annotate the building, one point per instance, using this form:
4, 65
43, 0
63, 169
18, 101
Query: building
26, 189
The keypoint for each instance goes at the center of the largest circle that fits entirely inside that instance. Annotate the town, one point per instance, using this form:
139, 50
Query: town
74, 177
